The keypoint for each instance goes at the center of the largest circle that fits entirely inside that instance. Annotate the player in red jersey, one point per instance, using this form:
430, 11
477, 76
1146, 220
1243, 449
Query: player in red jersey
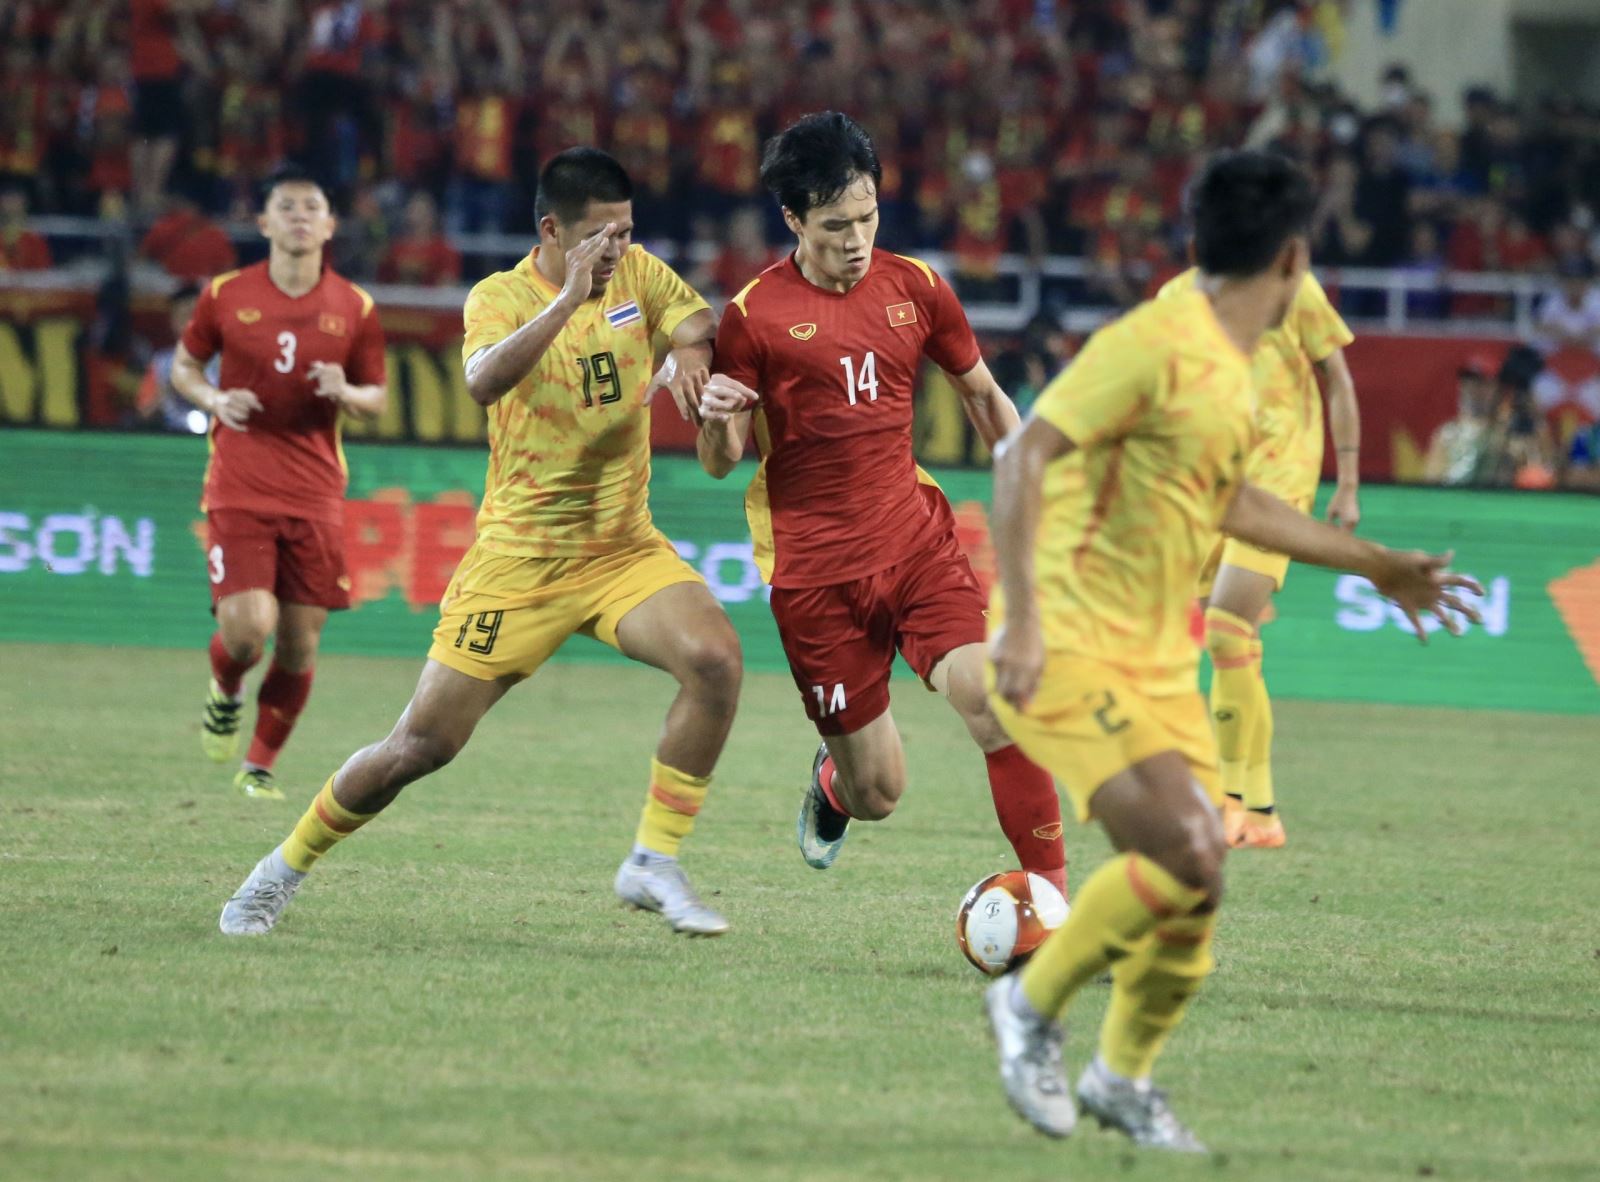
300, 347
818, 358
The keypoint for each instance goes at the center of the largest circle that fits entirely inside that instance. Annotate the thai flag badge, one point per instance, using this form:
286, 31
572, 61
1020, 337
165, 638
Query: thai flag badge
623, 314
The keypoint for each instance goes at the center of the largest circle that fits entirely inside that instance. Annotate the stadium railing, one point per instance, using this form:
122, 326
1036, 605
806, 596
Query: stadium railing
1058, 287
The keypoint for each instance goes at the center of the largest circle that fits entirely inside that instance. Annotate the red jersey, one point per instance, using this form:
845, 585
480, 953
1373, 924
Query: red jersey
838, 496
288, 460
153, 28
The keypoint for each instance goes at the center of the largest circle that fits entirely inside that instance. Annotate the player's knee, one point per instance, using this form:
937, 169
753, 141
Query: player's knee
245, 645
714, 662
1196, 860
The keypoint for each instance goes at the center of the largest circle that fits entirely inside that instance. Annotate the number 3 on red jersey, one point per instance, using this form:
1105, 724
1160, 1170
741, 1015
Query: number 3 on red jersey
867, 383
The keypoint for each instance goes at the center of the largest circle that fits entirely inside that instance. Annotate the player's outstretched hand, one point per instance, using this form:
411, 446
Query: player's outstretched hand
1423, 583
1017, 651
581, 260
685, 381
723, 397
233, 407
329, 379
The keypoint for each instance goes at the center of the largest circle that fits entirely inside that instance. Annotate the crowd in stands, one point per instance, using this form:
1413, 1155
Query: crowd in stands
1066, 126
1032, 126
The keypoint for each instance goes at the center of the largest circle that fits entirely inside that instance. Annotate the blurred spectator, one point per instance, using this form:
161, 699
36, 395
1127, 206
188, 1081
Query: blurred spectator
1583, 460
1339, 235
1525, 454
20, 248
336, 104
1464, 450
157, 405
1382, 197
744, 256
1570, 315
1425, 263
160, 31
421, 255
187, 244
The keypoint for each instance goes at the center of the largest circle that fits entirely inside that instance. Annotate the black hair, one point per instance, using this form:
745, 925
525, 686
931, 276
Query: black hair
572, 179
1245, 206
289, 173
184, 291
815, 159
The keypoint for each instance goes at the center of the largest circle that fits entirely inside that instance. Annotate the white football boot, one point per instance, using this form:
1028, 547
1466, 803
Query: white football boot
660, 885
260, 900
1030, 1062
818, 851
1134, 1107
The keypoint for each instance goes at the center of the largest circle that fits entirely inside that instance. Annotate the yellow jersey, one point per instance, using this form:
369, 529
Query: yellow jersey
569, 445
1161, 408
1288, 457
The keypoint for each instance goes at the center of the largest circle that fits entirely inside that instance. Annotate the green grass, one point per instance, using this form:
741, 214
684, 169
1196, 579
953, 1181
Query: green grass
1412, 988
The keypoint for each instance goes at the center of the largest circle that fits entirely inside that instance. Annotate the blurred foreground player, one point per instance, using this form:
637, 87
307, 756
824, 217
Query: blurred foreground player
1240, 579
560, 349
1107, 502
301, 347
818, 357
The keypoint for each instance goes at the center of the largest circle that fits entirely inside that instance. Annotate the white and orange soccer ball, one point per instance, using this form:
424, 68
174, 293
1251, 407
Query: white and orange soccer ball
1005, 917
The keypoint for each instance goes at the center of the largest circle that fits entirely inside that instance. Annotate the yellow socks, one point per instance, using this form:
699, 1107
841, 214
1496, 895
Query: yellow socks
1258, 758
669, 810
1112, 913
1237, 693
1150, 991
325, 824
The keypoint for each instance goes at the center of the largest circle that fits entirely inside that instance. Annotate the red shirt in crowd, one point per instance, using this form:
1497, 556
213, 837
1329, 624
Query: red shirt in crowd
288, 460
154, 31
23, 250
188, 245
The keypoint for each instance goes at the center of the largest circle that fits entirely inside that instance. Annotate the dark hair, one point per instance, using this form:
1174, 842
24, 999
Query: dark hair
813, 161
184, 291
1245, 206
289, 173
572, 179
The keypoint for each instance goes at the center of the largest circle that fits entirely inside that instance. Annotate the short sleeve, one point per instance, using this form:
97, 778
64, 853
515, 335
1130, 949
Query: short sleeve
488, 318
738, 355
1321, 329
1105, 391
951, 345
203, 336
367, 365
667, 301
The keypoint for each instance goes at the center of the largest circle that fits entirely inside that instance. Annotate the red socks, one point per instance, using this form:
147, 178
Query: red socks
229, 674
1029, 808
826, 777
283, 695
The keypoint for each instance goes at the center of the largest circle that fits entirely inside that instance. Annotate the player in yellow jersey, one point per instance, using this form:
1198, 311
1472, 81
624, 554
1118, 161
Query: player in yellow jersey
1240, 579
561, 350
1107, 501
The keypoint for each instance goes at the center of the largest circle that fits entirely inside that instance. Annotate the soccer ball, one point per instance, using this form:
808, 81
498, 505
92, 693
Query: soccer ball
1005, 917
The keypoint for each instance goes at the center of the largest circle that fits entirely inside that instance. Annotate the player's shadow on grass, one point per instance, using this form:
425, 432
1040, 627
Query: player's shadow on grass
1424, 1009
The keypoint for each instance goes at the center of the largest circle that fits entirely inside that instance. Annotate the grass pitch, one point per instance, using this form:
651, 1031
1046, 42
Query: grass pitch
1411, 989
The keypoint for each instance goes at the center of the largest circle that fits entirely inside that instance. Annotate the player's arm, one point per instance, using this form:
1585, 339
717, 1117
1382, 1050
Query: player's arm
1344, 421
366, 401
687, 366
231, 408
990, 412
1020, 461
1417, 581
726, 406
494, 369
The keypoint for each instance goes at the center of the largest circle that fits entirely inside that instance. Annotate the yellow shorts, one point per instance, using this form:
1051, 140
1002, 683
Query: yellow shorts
1233, 552
504, 616
1088, 722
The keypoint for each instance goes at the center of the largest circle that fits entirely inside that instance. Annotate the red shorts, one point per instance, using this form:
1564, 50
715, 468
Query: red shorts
298, 560
841, 639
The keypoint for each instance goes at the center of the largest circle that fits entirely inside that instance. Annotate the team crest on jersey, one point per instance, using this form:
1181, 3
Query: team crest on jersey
623, 314
901, 314
248, 315
803, 332
331, 323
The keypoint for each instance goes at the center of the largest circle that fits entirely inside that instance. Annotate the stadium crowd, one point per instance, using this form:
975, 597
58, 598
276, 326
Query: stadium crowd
1065, 127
